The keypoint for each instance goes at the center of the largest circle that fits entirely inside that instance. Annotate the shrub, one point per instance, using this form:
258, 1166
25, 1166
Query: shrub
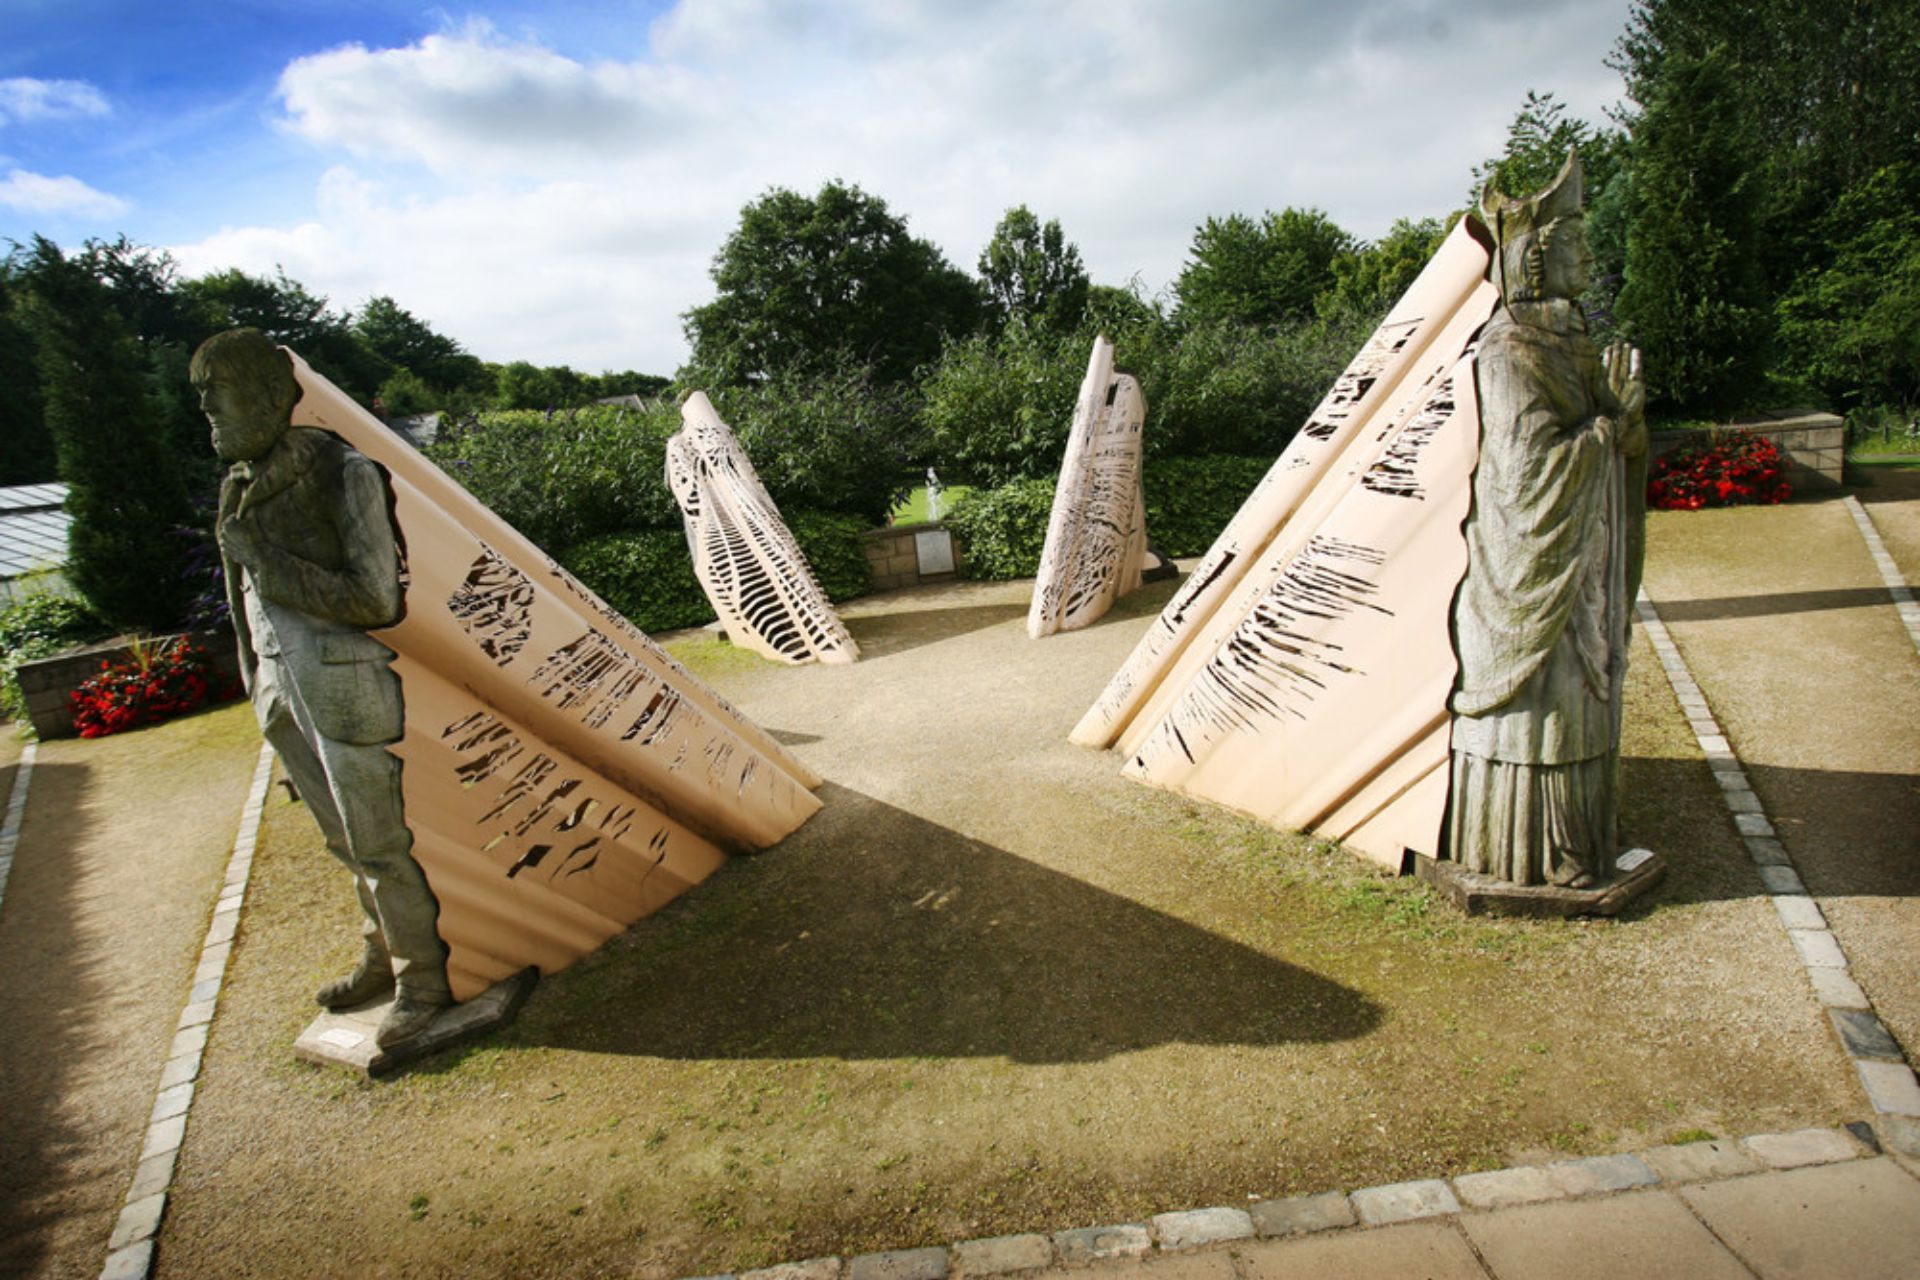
145, 688
39, 624
1002, 531
566, 478
1729, 471
833, 442
646, 575
835, 551
997, 408
1190, 500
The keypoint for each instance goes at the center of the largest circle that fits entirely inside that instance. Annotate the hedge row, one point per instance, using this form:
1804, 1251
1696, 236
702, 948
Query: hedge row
1189, 501
648, 574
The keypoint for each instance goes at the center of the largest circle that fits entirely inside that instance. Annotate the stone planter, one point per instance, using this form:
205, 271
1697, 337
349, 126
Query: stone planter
46, 682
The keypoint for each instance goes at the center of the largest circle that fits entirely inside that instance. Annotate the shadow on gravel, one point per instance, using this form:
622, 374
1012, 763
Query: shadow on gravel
873, 933
1847, 832
1716, 608
882, 635
46, 997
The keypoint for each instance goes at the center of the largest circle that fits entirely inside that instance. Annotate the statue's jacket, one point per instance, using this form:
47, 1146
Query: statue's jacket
329, 570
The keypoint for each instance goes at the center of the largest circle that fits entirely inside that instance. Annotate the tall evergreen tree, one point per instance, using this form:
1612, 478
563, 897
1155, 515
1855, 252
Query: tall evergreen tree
1695, 297
26, 450
123, 488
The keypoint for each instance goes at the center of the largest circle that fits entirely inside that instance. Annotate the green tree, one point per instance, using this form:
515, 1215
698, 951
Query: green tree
1371, 279
123, 489
403, 341
26, 449
1538, 140
523, 385
825, 283
1695, 299
1260, 273
1033, 272
1852, 327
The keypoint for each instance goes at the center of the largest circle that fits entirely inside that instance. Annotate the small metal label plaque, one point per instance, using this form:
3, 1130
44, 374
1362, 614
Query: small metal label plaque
1632, 859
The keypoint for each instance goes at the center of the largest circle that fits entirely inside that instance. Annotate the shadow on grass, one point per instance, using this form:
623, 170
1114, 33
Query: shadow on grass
873, 933
48, 995
1717, 608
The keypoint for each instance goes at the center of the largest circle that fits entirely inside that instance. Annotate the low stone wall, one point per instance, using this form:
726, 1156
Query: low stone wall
1815, 444
46, 682
910, 555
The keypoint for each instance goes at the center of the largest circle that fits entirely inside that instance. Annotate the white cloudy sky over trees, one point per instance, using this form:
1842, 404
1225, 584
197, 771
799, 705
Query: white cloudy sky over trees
550, 182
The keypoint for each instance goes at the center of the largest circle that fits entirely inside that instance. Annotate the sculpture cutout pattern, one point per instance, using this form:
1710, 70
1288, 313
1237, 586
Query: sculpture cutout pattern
1301, 673
1555, 543
560, 775
1097, 531
747, 562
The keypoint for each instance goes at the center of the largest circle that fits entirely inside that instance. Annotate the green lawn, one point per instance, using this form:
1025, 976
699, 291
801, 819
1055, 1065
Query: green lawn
913, 510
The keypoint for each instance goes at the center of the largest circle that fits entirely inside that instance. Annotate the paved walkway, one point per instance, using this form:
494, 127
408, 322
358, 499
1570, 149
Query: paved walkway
1790, 630
1814, 1204
109, 891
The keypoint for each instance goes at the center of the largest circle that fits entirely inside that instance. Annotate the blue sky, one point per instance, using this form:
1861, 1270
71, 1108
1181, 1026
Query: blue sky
550, 181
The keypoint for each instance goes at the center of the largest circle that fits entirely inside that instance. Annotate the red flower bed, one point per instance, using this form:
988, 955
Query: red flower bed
146, 688
1730, 471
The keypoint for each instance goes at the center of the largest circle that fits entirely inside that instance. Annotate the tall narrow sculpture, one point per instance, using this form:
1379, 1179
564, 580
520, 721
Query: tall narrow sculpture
1097, 533
1555, 542
747, 562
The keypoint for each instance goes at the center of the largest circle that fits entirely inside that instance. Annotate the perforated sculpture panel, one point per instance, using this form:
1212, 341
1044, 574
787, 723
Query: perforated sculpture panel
563, 775
1301, 673
747, 562
1097, 533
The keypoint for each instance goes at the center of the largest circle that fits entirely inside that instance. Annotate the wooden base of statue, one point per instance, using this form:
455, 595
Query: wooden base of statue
1635, 872
344, 1038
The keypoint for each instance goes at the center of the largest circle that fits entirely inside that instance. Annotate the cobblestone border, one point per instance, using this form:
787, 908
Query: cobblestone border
1875, 1054
130, 1249
1897, 586
16, 810
1433, 1198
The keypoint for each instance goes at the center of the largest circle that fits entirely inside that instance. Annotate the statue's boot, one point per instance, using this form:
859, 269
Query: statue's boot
409, 1016
371, 978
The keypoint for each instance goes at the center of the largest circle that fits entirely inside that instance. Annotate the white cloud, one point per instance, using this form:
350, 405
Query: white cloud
570, 207
23, 98
37, 193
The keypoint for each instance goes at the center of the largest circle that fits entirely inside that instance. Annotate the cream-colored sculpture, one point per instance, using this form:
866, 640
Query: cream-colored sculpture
563, 776
1301, 674
747, 562
1097, 533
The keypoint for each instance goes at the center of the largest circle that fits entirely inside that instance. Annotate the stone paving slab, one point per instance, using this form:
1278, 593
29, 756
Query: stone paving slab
1432, 1250
1502, 1188
1404, 1202
1700, 1162
1302, 1213
1187, 1266
1860, 1219
1644, 1234
1198, 1227
1000, 1255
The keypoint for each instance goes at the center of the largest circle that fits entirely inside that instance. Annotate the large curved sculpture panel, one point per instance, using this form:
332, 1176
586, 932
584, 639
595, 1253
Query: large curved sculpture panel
748, 563
562, 775
1301, 674
1096, 542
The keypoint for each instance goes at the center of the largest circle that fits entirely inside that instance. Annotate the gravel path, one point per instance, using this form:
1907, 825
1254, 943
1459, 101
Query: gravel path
120, 860
1792, 635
